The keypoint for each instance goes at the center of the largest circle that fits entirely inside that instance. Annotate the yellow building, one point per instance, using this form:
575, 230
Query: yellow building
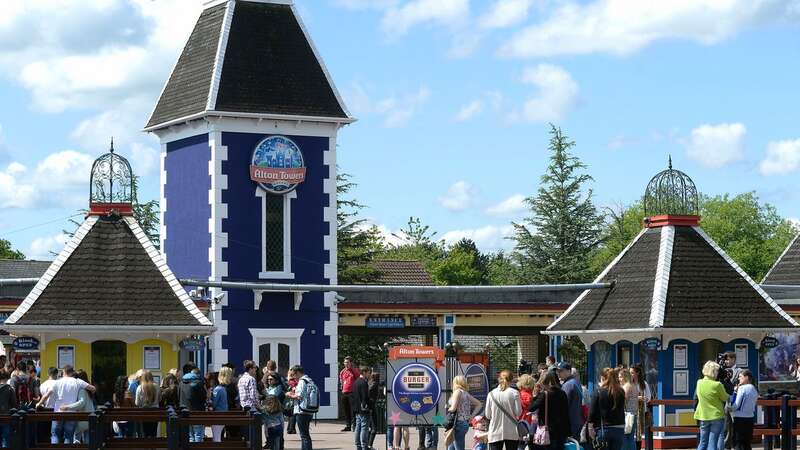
109, 304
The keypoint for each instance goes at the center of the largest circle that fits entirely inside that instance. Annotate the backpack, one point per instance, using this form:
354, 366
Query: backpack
310, 404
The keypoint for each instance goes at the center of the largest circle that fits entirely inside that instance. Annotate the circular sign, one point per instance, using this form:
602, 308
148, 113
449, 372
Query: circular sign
416, 389
277, 165
477, 382
25, 343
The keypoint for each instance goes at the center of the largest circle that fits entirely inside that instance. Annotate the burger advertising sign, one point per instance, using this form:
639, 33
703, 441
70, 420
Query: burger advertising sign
277, 165
416, 389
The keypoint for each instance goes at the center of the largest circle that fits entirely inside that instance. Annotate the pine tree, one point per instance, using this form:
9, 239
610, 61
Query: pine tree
554, 244
357, 242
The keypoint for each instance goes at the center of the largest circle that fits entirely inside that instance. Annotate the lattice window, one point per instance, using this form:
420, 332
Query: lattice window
273, 235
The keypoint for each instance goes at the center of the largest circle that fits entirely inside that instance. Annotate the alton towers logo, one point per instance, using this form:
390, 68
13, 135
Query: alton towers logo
277, 165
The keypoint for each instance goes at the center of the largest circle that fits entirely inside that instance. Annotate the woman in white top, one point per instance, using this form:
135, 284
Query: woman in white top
632, 393
645, 395
502, 409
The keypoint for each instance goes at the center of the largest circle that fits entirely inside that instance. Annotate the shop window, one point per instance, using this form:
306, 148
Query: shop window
276, 240
603, 352
624, 355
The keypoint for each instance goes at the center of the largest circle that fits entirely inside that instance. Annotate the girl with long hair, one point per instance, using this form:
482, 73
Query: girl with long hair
551, 407
631, 408
85, 403
169, 391
148, 396
744, 410
607, 411
503, 406
645, 395
465, 407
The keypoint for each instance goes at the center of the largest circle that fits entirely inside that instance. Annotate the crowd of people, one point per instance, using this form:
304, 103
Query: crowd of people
294, 397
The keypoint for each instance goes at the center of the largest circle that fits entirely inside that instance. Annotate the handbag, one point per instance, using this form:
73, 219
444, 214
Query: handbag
523, 430
450, 420
629, 422
542, 436
449, 437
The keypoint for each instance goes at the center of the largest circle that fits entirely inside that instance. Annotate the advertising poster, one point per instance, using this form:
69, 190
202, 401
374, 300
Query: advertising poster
779, 354
415, 381
477, 381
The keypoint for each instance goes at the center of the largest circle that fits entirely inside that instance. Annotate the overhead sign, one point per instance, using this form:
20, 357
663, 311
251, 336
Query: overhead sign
769, 342
385, 322
25, 343
651, 343
277, 165
192, 345
416, 389
423, 321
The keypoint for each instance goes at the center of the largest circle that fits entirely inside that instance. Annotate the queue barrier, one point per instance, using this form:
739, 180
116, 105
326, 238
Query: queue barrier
26, 435
778, 430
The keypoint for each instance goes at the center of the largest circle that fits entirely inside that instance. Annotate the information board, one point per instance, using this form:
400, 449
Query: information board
414, 390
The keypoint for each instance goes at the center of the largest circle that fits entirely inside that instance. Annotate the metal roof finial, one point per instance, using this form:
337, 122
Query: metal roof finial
112, 144
670, 157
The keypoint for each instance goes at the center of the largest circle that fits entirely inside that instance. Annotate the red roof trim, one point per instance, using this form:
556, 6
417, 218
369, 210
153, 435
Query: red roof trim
668, 219
104, 209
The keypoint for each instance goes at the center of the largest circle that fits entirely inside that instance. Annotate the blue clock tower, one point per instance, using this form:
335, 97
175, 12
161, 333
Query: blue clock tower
248, 122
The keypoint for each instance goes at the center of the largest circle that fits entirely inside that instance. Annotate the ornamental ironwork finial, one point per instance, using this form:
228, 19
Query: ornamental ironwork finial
111, 179
671, 192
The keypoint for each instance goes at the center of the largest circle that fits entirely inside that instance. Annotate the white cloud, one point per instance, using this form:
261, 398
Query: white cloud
783, 157
399, 19
359, 5
505, 13
391, 238
44, 248
625, 26
716, 145
60, 179
395, 110
459, 196
556, 94
469, 110
509, 207
487, 238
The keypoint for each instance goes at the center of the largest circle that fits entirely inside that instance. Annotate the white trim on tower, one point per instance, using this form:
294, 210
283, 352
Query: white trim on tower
219, 60
219, 241
329, 243
286, 273
162, 207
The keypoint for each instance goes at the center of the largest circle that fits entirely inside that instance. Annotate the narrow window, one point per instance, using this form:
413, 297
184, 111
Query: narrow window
273, 237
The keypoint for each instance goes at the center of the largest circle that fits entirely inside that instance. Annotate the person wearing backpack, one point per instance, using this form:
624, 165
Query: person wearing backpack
306, 396
8, 401
21, 383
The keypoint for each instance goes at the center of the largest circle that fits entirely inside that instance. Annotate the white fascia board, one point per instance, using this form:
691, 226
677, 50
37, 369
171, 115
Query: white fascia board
219, 59
780, 258
744, 275
597, 280
51, 272
245, 115
661, 285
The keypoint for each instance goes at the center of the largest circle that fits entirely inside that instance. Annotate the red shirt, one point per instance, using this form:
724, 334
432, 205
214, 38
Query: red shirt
525, 397
348, 377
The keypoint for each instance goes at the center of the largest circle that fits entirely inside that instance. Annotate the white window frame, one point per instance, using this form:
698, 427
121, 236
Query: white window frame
286, 273
275, 336
58, 355
160, 356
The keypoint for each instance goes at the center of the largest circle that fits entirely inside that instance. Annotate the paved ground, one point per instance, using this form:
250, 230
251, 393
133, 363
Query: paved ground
326, 435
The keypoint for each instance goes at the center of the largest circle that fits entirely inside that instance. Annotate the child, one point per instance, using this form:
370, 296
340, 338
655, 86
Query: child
274, 422
481, 432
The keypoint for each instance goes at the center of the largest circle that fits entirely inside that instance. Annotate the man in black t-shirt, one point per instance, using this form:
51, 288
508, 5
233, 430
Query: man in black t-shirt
361, 408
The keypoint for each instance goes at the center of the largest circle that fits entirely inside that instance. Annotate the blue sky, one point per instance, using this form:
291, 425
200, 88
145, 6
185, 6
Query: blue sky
453, 99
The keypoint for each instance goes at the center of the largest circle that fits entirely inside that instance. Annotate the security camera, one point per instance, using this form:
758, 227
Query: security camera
218, 298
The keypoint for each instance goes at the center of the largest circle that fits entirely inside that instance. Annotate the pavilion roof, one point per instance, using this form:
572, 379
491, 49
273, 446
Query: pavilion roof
109, 276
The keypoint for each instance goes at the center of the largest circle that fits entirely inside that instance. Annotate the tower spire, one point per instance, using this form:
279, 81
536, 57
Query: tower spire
670, 158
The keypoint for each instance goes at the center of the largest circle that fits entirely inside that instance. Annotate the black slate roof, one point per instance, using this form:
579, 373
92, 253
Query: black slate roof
109, 279
22, 268
706, 292
627, 303
787, 268
186, 92
703, 290
268, 67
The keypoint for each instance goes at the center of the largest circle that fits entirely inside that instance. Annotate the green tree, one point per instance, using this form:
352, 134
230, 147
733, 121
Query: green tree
418, 244
554, 244
6, 252
357, 242
751, 232
462, 264
621, 225
500, 269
